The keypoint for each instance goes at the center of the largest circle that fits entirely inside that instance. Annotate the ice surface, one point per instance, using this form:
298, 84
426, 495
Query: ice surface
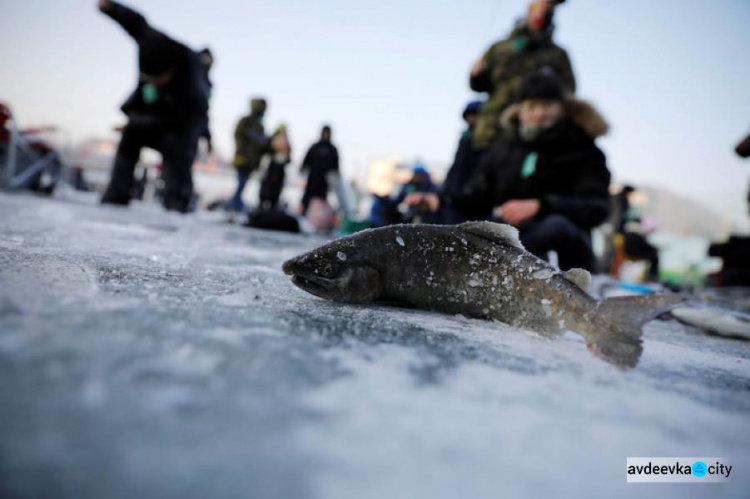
148, 354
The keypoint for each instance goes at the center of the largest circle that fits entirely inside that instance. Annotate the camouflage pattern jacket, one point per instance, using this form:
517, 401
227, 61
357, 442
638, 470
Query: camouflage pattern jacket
252, 144
506, 64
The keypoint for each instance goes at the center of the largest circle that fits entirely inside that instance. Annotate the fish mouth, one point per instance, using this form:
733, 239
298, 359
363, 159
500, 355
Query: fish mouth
313, 284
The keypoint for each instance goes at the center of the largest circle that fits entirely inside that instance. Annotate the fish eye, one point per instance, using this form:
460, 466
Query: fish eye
327, 270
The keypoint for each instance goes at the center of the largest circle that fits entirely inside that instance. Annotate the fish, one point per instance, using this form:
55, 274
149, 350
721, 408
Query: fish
722, 322
476, 269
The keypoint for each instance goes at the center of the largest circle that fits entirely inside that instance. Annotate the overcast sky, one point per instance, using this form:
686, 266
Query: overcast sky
391, 76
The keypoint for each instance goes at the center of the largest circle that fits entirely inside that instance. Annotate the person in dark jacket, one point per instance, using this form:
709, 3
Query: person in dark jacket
503, 66
550, 180
386, 210
321, 159
420, 181
252, 144
165, 112
464, 164
207, 58
273, 181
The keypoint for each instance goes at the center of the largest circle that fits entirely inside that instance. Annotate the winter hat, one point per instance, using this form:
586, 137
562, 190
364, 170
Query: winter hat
258, 106
472, 107
540, 86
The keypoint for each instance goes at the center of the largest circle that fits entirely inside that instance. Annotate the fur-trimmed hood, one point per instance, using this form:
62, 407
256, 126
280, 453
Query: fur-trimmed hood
580, 112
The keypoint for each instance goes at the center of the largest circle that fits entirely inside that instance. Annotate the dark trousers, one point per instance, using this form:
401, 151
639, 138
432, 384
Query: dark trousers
177, 147
236, 203
556, 233
272, 185
317, 187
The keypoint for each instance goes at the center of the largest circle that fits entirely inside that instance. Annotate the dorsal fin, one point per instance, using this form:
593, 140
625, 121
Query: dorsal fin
499, 233
579, 277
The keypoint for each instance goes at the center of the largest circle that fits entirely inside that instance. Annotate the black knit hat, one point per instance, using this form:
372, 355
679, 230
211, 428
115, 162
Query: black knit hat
540, 86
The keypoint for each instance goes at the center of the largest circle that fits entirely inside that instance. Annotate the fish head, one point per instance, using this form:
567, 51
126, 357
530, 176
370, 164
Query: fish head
336, 273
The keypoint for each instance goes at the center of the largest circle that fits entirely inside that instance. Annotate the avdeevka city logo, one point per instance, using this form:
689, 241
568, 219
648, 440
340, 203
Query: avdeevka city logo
699, 469
678, 469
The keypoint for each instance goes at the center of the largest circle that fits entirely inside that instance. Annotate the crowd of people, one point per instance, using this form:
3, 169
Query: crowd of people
168, 112
528, 157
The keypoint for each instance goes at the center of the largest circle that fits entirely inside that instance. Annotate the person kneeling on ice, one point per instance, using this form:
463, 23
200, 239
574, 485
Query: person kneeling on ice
548, 179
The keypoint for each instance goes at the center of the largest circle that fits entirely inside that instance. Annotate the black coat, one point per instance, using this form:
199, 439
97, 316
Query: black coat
181, 102
464, 165
322, 158
571, 177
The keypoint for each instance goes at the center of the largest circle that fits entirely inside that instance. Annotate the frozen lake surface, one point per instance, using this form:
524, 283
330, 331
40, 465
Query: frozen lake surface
149, 354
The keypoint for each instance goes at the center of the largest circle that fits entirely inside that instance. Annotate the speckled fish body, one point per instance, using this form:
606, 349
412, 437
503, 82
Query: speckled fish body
477, 269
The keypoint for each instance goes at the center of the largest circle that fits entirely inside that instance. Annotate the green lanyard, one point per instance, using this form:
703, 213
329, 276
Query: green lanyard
529, 165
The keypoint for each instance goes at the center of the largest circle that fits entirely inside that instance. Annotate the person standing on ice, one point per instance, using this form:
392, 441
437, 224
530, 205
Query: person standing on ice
166, 111
252, 144
321, 159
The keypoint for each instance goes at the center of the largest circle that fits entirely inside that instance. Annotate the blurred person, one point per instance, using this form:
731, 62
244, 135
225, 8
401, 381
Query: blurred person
500, 70
321, 159
621, 211
273, 181
251, 144
207, 58
735, 252
420, 181
464, 164
548, 178
637, 247
166, 111
613, 230
386, 210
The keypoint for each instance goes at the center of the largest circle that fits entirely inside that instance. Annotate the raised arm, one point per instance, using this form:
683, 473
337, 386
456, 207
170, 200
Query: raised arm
131, 21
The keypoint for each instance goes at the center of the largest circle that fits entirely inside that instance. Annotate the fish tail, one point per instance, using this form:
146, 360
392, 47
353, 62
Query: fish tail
615, 329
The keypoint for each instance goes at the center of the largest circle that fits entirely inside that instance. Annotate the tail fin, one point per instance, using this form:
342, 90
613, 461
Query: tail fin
614, 333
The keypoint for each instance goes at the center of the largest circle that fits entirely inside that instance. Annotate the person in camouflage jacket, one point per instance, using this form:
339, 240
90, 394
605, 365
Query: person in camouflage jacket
503, 66
250, 139
252, 144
